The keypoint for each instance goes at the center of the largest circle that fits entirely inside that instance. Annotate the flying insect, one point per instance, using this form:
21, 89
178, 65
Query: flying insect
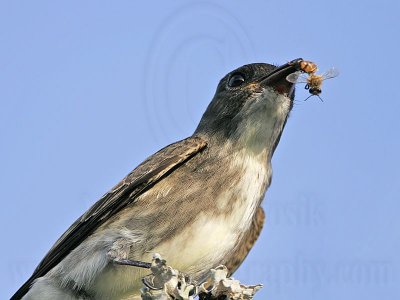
313, 81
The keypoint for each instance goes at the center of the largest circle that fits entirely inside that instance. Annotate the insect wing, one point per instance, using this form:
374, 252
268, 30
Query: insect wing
297, 77
331, 73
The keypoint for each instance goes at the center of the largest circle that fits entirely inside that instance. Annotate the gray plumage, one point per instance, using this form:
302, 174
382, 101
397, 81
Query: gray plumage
193, 201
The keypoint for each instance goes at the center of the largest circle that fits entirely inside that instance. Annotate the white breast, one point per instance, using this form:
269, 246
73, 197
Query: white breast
210, 238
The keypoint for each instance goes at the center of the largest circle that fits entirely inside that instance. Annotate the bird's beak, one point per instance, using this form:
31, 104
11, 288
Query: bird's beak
277, 78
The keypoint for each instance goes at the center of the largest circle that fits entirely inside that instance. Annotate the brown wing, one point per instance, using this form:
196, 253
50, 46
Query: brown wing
134, 184
245, 246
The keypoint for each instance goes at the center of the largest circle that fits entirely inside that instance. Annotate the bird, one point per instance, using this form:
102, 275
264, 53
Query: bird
197, 201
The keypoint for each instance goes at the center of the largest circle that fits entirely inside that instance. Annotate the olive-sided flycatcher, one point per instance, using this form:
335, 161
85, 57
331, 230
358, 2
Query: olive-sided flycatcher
196, 202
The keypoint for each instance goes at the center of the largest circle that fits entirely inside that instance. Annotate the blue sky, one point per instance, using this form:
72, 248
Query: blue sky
88, 89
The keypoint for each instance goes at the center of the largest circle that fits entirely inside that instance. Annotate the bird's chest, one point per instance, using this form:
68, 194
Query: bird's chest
214, 233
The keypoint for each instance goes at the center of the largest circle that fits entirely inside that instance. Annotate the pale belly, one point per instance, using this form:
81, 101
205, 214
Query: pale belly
205, 244
194, 251
202, 246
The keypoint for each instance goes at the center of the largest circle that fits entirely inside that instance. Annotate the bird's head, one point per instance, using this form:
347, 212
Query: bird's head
251, 106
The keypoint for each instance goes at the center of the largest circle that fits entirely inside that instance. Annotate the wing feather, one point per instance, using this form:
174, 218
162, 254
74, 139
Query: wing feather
124, 193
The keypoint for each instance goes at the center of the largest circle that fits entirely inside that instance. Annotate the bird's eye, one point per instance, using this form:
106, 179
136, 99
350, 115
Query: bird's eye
236, 80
